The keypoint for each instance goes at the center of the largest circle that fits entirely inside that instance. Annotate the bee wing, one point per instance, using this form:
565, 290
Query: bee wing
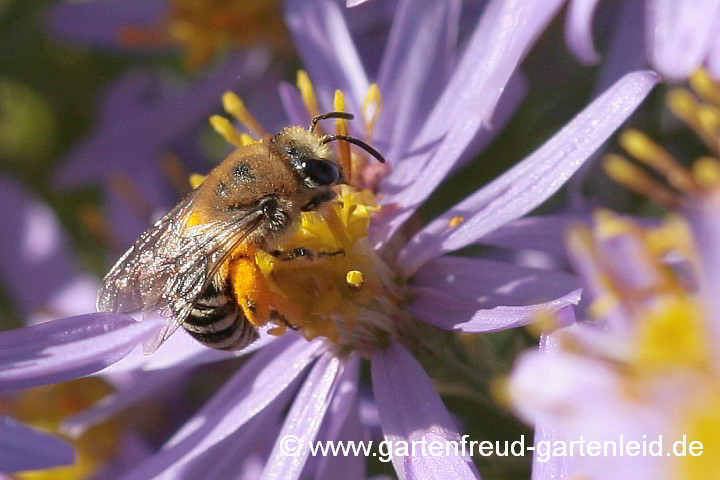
170, 265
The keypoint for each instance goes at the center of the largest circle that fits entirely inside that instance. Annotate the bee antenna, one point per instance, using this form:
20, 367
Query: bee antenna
354, 141
323, 116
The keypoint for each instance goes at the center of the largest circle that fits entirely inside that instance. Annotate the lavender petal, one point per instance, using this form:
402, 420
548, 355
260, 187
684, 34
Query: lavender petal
324, 42
578, 30
68, 348
443, 310
415, 66
411, 410
304, 419
494, 51
533, 180
24, 448
680, 34
489, 283
261, 381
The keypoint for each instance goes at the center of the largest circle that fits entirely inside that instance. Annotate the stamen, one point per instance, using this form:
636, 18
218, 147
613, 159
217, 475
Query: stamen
455, 221
709, 121
341, 128
308, 92
372, 108
196, 180
236, 107
703, 84
706, 172
625, 173
686, 108
650, 153
224, 127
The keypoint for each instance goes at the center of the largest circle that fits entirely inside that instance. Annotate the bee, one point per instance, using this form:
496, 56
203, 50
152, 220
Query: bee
251, 200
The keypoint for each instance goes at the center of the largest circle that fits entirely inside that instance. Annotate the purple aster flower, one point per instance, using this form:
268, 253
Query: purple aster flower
645, 370
372, 300
646, 366
679, 37
144, 119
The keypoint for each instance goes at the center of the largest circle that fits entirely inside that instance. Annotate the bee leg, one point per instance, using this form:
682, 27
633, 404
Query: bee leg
303, 253
282, 319
251, 290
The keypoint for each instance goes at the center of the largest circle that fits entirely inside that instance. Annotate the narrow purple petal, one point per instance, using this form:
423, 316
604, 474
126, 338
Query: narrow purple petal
262, 380
293, 104
680, 34
489, 283
494, 51
304, 419
529, 183
556, 466
180, 350
714, 59
415, 66
343, 424
24, 448
443, 310
68, 348
322, 37
411, 410
545, 233
349, 467
578, 30
626, 51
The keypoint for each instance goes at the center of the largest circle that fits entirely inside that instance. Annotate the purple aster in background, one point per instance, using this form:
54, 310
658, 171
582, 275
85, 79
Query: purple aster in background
645, 371
677, 38
146, 138
405, 282
646, 365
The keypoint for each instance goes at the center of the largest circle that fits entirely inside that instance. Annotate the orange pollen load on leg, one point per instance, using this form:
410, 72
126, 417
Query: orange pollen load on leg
250, 286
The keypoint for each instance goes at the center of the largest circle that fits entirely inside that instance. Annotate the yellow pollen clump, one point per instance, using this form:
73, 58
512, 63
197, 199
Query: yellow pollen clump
672, 335
307, 91
455, 221
355, 279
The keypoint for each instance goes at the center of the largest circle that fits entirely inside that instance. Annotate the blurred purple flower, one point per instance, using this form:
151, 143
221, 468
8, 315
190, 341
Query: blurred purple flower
454, 293
646, 368
144, 119
680, 37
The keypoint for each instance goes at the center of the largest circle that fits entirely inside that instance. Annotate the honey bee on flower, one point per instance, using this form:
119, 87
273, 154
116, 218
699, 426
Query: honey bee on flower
198, 263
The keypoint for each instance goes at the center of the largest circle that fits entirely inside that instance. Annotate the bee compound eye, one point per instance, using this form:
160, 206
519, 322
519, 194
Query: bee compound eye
321, 172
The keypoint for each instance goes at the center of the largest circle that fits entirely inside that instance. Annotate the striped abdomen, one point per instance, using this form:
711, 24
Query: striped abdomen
216, 321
